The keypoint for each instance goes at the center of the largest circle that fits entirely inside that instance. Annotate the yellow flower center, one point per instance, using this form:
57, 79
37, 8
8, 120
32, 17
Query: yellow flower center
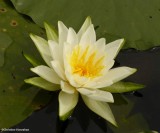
85, 63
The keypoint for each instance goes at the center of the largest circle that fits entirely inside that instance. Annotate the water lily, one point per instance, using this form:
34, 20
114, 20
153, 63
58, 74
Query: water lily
80, 64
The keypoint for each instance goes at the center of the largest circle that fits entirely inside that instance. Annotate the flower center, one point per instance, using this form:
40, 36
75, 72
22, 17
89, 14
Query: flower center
85, 63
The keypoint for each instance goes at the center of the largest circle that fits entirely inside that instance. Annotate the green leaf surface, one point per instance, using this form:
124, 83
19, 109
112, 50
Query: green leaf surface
5, 41
17, 99
134, 20
121, 87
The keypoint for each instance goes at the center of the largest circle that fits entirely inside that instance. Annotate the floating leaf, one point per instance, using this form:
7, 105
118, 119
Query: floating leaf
5, 41
133, 20
17, 100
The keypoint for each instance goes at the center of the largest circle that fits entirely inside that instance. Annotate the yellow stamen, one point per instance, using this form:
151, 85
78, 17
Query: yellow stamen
83, 66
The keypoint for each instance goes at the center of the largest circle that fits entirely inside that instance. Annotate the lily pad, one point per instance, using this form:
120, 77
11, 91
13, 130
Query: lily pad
133, 20
17, 100
5, 41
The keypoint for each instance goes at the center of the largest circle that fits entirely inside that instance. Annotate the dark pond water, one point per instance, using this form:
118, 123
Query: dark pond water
142, 110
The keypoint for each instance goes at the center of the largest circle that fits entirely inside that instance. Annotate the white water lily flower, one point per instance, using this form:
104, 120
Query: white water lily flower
80, 64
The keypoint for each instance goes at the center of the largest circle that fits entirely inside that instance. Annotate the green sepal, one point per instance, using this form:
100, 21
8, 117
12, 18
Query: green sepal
121, 87
66, 116
32, 60
42, 83
51, 32
67, 103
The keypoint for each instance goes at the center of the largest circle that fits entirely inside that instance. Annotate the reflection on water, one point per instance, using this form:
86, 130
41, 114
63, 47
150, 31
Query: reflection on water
135, 112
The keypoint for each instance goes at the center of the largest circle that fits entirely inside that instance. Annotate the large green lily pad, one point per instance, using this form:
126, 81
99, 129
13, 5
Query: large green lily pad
134, 20
17, 100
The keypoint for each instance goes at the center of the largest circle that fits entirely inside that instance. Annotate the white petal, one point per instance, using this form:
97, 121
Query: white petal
63, 31
47, 74
89, 37
54, 47
115, 75
68, 69
66, 54
100, 44
66, 87
119, 73
113, 48
58, 69
70, 78
84, 27
42, 83
67, 102
43, 48
100, 47
100, 108
81, 80
56, 52
98, 95
51, 32
108, 65
72, 37
97, 83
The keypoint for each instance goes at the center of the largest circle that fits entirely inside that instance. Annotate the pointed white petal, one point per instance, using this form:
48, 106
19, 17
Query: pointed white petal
43, 48
119, 73
47, 74
66, 53
113, 48
100, 43
100, 108
68, 69
42, 83
72, 37
56, 52
66, 87
51, 32
67, 102
108, 65
84, 27
54, 47
89, 37
114, 75
98, 95
97, 83
100, 48
63, 31
58, 69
